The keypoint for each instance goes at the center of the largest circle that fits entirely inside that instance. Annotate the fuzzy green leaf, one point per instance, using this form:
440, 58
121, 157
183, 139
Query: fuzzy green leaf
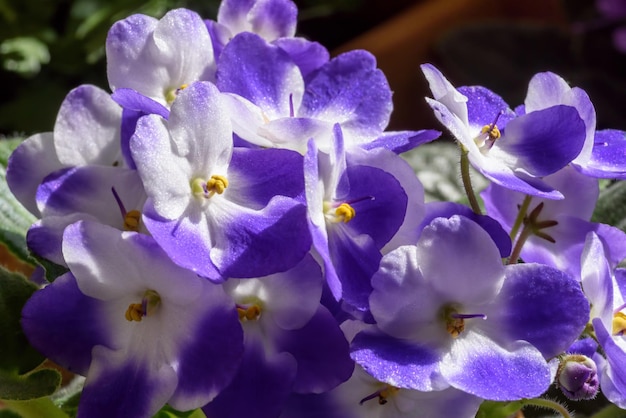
14, 218
611, 206
33, 385
17, 356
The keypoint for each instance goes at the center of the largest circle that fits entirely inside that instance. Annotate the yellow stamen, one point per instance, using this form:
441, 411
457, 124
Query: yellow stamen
250, 313
216, 184
387, 392
345, 212
149, 303
134, 312
131, 221
170, 95
454, 325
492, 131
619, 323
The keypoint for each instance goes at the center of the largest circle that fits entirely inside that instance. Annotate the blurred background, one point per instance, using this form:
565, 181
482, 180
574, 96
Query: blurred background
48, 47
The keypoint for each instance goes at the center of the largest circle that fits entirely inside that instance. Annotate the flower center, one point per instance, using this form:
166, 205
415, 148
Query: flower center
171, 94
250, 312
149, 304
488, 135
342, 213
619, 323
382, 394
455, 321
207, 188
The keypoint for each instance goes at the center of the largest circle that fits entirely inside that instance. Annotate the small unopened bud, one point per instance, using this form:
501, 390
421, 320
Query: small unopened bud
577, 377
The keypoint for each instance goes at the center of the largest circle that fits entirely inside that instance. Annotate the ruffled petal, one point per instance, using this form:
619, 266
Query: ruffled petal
264, 173
261, 73
613, 376
398, 362
475, 276
321, 351
157, 57
276, 238
398, 284
355, 259
447, 209
445, 93
308, 55
484, 107
88, 190
607, 156
274, 19
117, 386
263, 381
402, 141
350, 90
527, 308
541, 142
477, 365
31, 161
210, 352
87, 128
165, 176
65, 325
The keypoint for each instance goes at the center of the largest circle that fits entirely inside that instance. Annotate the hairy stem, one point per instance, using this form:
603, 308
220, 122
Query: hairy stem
467, 181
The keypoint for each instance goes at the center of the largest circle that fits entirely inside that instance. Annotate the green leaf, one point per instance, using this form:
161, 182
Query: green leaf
24, 55
17, 355
611, 206
40, 407
14, 218
437, 166
33, 385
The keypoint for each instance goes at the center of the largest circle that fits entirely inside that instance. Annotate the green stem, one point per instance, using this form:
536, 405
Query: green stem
548, 404
35, 408
520, 217
467, 181
517, 249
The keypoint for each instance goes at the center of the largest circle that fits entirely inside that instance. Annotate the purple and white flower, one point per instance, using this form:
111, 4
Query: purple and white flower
143, 330
449, 314
219, 211
510, 150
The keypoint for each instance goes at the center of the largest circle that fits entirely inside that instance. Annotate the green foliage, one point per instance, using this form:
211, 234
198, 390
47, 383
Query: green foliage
14, 219
611, 206
17, 355
36, 384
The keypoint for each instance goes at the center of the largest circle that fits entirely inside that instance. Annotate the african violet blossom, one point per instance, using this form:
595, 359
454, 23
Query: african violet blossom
449, 314
358, 202
292, 344
86, 133
364, 397
510, 150
602, 153
76, 172
605, 287
156, 58
143, 330
219, 211
274, 21
272, 105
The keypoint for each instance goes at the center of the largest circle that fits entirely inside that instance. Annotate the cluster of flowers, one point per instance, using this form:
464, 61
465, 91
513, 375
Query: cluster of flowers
242, 236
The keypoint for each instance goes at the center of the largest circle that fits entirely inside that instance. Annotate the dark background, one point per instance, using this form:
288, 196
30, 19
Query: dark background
496, 43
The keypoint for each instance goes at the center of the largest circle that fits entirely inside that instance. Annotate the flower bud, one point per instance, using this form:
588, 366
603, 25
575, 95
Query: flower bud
577, 377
